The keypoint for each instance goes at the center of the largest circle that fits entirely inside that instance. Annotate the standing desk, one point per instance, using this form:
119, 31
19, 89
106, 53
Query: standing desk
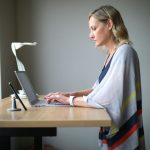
43, 121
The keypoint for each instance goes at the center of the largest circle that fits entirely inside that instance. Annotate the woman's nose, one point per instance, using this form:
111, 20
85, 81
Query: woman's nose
91, 35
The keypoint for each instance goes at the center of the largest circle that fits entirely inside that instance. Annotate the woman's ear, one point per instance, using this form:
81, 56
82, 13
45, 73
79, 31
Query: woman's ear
109, 24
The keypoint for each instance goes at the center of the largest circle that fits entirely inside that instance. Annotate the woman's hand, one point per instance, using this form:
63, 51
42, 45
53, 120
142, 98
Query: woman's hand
59, 93
59, 96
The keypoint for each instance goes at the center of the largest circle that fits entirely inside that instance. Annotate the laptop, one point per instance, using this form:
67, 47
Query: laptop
30, 92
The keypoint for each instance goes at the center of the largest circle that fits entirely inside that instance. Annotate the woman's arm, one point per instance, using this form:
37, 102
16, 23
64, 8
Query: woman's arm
81, 93
64, 97
80, 102
76, 101
68, 94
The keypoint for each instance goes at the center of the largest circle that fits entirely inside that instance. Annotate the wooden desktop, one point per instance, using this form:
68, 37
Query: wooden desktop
43, 121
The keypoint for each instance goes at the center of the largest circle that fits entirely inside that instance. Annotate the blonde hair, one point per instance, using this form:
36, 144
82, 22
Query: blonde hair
119, 29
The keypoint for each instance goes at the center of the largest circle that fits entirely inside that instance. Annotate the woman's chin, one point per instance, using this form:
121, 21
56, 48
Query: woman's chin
97, 45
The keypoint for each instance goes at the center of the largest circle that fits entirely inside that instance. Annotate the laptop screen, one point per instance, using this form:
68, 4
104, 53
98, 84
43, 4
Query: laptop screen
26, 86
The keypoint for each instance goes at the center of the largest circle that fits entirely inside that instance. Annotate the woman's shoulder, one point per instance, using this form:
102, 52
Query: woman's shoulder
126, 50
124, 54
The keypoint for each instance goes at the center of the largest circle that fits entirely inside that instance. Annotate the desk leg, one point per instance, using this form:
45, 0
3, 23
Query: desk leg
5, 143
7, 133
37, 142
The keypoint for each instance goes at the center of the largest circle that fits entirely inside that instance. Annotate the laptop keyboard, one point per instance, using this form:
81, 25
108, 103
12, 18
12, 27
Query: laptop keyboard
41, 103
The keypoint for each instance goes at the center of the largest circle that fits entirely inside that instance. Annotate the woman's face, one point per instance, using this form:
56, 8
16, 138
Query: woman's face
99, 32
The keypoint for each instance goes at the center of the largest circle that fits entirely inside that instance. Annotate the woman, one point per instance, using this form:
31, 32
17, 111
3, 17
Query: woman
118, 88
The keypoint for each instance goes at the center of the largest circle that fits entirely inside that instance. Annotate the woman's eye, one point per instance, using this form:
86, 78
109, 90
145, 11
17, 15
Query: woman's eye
93, 28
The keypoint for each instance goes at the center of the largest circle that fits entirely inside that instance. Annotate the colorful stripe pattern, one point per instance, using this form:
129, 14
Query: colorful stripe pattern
133, 125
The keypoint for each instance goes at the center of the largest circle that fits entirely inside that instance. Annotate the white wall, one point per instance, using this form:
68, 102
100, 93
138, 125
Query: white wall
65, 59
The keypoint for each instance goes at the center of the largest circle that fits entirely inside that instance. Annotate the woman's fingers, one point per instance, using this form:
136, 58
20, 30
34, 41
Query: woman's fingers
56, 97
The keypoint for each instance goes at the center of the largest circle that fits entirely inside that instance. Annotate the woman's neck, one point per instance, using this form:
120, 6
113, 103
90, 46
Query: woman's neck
112, 48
